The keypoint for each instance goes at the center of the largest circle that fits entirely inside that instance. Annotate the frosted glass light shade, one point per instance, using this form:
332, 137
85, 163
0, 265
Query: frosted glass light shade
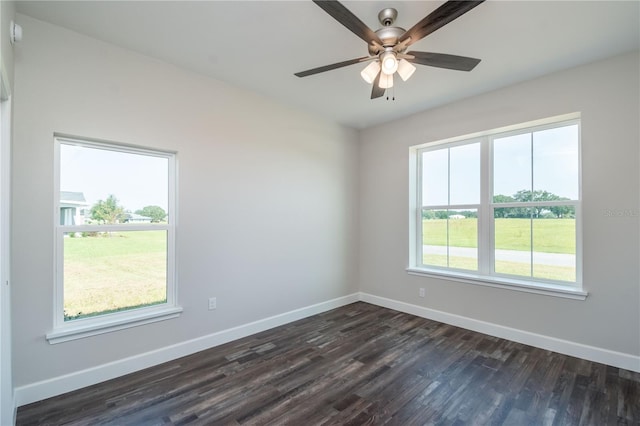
389, 63
386, 81
405, 69
370, 72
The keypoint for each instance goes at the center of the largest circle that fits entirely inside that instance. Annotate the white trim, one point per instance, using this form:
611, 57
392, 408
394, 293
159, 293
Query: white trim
505, 129
79, 329
112, 146
69, 382
415, 213
590, 353
7, 396
120, 227
564, 291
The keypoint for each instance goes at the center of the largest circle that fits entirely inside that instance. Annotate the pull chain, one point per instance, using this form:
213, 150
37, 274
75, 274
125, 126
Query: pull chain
393, 95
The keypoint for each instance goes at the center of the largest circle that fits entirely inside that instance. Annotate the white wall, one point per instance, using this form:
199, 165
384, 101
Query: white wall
607, 95
267, 194
7, 14
7, 411
277, 206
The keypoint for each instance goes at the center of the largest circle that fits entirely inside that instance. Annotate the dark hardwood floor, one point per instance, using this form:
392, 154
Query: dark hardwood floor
359, 364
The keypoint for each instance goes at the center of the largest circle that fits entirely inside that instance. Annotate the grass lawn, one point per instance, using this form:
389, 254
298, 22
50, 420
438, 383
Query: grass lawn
549, 235
550, 272
112, 273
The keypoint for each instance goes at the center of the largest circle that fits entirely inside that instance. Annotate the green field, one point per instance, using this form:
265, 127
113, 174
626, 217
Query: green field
113, 272
549, 235
549, 272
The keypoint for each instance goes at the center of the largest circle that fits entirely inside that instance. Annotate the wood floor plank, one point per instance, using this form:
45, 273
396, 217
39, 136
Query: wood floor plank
357, 365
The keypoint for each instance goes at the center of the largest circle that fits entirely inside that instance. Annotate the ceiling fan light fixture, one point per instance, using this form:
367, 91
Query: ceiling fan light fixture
386, 81
405, 69
371, 71
387, 45
389, 63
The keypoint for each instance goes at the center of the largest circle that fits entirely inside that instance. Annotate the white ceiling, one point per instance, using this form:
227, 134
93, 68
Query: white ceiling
258, 45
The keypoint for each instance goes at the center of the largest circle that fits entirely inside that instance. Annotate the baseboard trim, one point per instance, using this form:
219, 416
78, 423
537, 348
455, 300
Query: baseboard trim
73, 381
77, 380
579, 350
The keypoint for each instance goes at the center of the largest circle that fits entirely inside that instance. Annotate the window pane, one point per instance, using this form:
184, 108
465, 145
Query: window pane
511, 167
107, 272
513, 241
464, 174
434, 237
100, 186
555, 163
435, 178
450, 238
554, 243
463, 239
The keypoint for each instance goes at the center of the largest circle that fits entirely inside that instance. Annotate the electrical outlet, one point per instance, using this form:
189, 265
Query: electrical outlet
421, 292
213, 303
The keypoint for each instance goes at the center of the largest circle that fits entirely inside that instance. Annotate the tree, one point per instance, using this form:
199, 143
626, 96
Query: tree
502, 212
442, 214
542, 196
156, 213
563, 211
108, 211
428, 214
526, 195
502, 199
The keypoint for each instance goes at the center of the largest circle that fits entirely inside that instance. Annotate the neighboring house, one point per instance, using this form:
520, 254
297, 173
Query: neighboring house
73, 208
136, 218
456, 216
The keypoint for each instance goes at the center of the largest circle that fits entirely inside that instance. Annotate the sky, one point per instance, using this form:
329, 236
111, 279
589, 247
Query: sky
551, 154
135, 180
555, 162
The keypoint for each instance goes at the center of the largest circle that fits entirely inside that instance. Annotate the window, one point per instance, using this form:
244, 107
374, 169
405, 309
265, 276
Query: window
450, 202
501, 208
115, 232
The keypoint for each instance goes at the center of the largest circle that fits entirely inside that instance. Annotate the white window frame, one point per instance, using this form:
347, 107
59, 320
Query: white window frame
84, 327
485, 274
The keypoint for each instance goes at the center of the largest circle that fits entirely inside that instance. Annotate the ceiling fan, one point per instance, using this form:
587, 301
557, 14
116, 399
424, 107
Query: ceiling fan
388, 45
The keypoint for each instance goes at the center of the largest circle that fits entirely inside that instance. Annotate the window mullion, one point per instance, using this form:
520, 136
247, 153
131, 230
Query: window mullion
531, 209
448, 203
485, 211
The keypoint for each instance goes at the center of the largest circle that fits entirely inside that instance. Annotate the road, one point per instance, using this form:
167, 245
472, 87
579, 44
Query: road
553, 259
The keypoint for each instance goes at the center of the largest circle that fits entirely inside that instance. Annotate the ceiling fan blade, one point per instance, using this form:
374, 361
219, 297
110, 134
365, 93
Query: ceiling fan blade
437, 19
442, 60
333, 66
348, 19
377, 91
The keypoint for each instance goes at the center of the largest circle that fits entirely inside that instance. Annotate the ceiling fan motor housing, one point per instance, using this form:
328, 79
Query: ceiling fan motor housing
388, 34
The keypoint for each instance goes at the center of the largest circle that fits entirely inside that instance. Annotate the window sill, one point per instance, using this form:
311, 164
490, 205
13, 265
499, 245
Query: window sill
506, 283
79, 329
